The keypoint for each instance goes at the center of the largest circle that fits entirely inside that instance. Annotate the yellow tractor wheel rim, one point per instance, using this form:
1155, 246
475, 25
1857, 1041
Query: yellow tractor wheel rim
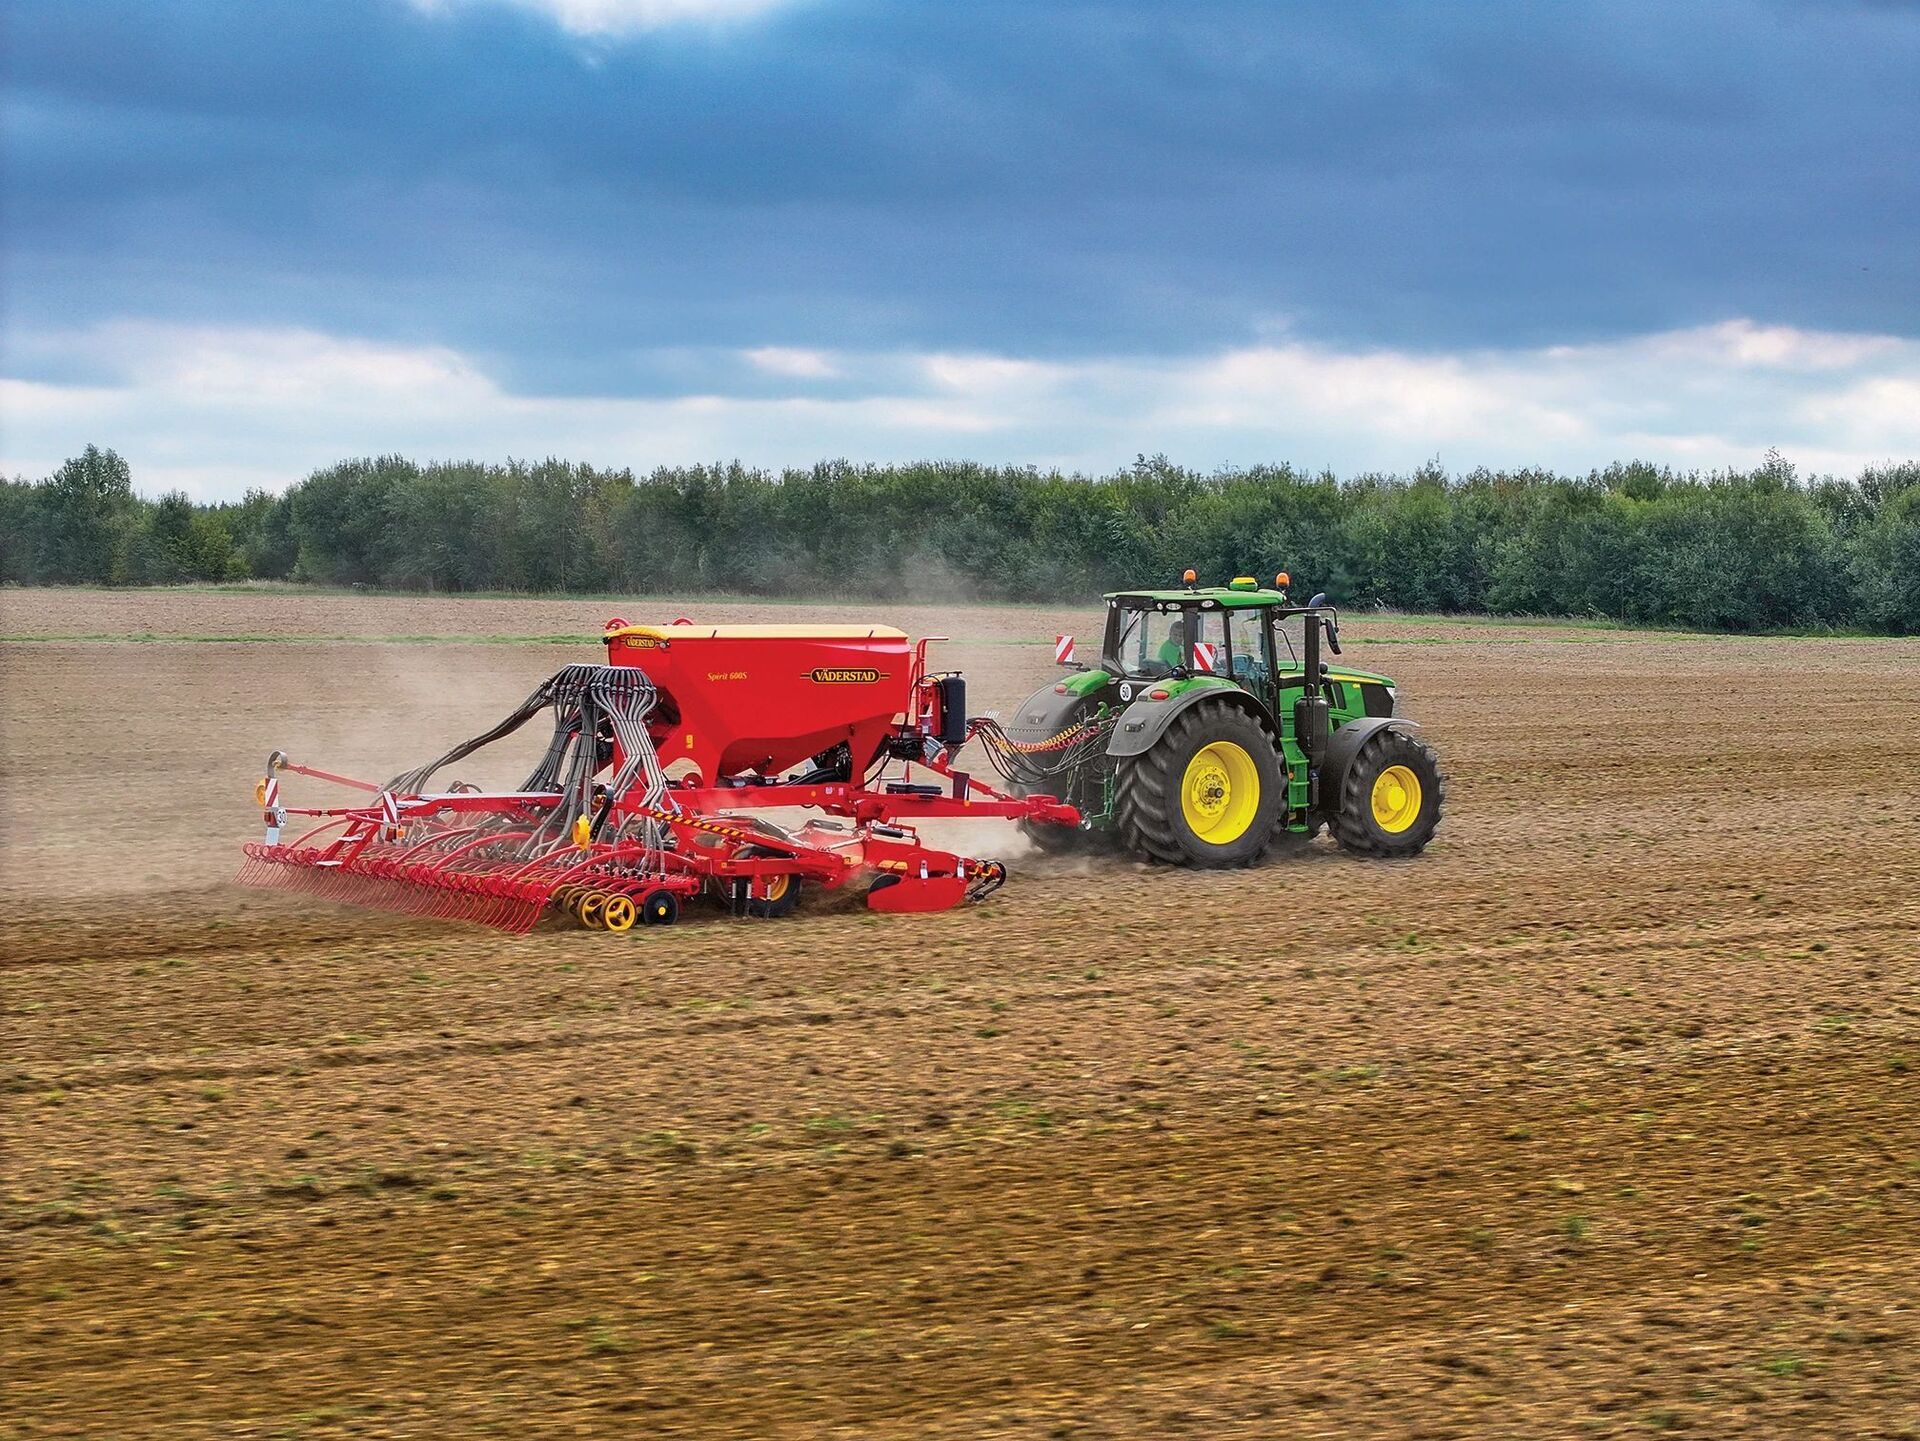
776, 887
1220, 793
618, 913
1396, 799
593, 910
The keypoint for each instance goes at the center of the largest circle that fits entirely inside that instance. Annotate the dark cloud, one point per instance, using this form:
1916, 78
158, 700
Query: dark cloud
1062, 179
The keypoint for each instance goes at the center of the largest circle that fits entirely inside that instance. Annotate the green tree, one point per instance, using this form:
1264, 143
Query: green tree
84, 516
1886, 567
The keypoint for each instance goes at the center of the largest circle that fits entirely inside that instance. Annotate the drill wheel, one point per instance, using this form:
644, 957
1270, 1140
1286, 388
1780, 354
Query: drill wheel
619, 913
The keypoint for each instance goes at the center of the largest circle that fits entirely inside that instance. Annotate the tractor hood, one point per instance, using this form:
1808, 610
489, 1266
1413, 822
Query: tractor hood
1343, 672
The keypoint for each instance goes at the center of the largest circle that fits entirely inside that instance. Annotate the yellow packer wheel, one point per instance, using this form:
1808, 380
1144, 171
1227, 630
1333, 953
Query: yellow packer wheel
619, 913
592, 911
767, 896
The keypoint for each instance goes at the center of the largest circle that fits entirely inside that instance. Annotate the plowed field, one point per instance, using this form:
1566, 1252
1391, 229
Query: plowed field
1600, 1119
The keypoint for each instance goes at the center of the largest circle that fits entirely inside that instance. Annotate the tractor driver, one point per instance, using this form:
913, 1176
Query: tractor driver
1173, 650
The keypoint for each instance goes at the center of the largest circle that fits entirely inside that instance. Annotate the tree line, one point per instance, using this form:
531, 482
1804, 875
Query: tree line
1728, 550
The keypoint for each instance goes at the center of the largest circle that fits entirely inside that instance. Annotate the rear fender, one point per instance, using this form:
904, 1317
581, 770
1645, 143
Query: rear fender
1145, 721
1346, 744
1045, 713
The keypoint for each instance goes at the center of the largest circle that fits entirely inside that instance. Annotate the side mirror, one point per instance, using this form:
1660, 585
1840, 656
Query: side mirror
1333, 626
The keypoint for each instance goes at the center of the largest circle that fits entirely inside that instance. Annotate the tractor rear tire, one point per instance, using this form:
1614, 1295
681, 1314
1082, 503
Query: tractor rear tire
1208, 794
1391, 799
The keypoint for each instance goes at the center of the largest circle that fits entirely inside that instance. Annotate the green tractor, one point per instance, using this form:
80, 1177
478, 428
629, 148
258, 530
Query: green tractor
1205, 737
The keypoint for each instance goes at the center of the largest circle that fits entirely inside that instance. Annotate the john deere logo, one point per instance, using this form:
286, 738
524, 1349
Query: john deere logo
843, 675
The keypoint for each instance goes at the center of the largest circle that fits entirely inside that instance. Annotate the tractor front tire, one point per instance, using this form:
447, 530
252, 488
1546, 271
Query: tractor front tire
1391, 798
1208, 794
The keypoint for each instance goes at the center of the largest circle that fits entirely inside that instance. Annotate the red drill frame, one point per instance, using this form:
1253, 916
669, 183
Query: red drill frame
733, 710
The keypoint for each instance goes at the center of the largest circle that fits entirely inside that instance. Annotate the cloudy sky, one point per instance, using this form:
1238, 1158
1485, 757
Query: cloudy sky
243, 240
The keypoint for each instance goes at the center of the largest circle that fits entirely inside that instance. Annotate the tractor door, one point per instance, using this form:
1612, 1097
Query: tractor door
1236, 649
1251, 650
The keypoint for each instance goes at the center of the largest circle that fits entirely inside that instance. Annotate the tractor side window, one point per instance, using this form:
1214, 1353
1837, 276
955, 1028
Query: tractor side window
1153, 642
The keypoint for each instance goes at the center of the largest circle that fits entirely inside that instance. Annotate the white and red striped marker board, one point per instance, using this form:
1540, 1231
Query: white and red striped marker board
1063, 650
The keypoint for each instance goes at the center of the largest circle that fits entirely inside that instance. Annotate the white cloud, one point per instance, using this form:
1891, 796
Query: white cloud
1880, 403
605, 19
212, 411
990, 374
1742, 343
1432, 399
798, 364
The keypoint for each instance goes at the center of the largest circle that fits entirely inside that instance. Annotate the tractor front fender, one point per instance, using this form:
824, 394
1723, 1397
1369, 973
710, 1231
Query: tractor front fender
1145, 721
1346, 744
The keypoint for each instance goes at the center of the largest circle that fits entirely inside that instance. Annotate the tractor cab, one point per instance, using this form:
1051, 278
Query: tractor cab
1235, 632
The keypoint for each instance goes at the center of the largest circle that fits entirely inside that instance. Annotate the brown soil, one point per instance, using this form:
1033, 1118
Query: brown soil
1601, 1118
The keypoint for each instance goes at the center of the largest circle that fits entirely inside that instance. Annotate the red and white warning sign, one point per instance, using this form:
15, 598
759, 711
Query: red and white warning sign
1203, 657
1063, 650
